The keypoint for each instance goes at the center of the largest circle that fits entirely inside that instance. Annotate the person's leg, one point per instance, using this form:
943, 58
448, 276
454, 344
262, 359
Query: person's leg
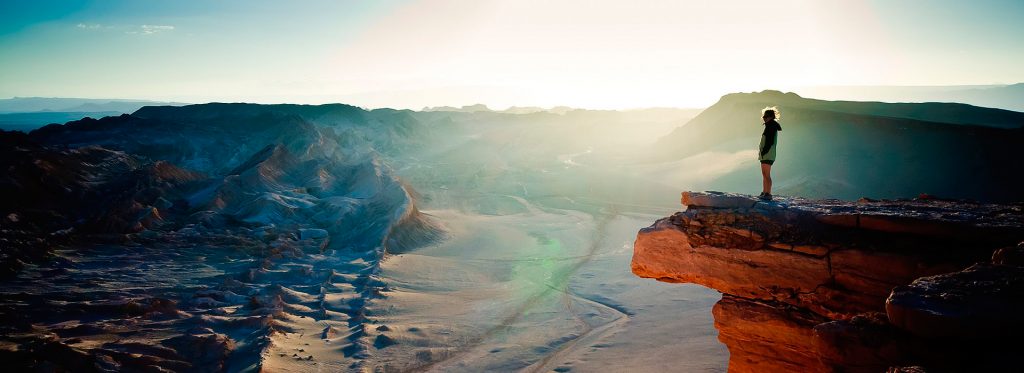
766, 175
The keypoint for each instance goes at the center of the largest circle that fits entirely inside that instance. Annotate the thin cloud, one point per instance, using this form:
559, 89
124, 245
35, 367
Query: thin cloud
151, 29
89, 26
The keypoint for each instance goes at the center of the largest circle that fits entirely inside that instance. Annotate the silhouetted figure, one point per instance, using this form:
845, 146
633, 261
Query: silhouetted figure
766, 150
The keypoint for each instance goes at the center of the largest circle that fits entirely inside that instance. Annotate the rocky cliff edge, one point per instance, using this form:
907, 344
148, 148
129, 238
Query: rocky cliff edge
826, 285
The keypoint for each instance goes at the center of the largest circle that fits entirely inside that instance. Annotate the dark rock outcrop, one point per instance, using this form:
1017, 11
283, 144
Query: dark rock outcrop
54, 195
91, 189
982, 301
806, 283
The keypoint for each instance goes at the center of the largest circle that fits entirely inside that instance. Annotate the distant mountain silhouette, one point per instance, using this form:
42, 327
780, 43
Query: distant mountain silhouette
1010, 97
26, 122
851, 149
464, 109
511, 110
61, 104
28, 113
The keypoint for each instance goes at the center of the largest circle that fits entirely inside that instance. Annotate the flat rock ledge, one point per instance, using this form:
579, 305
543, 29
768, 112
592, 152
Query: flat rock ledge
819, 276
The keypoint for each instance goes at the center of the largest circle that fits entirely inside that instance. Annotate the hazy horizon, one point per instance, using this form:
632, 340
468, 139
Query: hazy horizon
840, 93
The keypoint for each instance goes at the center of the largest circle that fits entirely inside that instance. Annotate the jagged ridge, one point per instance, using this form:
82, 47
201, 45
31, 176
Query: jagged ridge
316, 212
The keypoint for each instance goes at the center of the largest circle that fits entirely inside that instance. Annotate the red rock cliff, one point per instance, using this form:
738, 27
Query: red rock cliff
805, 283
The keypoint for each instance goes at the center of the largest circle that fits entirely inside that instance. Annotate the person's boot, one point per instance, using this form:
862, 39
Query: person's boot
765, 196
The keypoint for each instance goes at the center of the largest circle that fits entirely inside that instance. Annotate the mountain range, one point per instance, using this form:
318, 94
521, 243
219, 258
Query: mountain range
80, 105
1008, 96
28, 113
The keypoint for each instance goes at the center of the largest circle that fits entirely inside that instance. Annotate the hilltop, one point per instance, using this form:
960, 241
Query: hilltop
846, 149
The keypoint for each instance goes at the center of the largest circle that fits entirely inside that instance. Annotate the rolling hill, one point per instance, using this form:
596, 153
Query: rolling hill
846, 149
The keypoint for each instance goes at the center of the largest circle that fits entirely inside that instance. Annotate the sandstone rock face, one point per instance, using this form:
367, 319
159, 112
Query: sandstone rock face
766, 337
863, 343
983, 301
811, 254
805, 283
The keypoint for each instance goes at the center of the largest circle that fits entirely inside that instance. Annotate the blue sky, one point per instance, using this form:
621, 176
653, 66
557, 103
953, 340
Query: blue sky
409, 54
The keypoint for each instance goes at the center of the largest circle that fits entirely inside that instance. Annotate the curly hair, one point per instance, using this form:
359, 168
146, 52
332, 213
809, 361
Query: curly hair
774, 112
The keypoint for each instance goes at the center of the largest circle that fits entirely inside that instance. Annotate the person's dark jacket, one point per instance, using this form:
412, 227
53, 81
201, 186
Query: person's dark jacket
768, 140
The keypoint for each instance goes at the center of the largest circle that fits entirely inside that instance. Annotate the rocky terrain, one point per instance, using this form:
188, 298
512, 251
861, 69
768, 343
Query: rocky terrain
826, 285
196, 238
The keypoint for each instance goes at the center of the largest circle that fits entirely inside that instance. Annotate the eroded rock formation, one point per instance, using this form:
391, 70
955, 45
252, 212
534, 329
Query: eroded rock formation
199, 238
805, 283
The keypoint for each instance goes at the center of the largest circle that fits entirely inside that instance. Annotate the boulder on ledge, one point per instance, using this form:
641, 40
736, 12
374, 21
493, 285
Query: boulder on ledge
984, 301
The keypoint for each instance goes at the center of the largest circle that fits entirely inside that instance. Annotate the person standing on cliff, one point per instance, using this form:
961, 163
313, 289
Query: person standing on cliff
766, 150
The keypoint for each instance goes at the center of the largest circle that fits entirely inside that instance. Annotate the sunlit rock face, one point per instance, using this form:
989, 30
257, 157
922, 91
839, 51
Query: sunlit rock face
199, 238
805, 283
766, 337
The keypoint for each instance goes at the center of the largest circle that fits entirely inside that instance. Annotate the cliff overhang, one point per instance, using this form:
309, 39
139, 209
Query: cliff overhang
800, 266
